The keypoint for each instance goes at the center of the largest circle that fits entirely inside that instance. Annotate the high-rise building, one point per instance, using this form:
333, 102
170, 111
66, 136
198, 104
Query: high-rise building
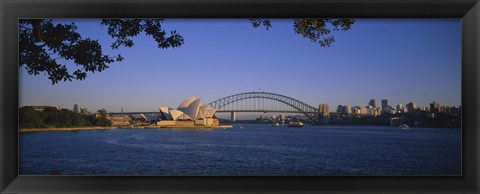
373, 111
356, 110
363, 110
323, 113
384, 103
348, 109
323, 109
399, 108
340, 109
411, 106
435, 107
372, 103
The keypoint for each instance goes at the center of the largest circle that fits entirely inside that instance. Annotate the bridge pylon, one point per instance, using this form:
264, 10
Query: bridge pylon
233, 116
323, 114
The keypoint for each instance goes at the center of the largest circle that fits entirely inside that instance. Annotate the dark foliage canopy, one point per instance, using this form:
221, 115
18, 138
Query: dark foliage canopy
52, 117
43, 42
317, 30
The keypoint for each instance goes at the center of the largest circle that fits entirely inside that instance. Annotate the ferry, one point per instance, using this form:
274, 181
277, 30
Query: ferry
295, 124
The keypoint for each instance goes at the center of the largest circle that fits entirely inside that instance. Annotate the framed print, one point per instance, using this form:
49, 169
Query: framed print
223, 96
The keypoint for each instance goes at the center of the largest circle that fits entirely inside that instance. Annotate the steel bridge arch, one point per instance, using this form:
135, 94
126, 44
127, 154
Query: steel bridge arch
309, 111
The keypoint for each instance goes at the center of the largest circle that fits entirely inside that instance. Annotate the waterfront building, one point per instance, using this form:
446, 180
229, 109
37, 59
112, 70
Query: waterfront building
372, 103
356, 110
363, 110
120, 120
371, 111
165, 111
345, 109
184, 105
84, 111
189, 113
150, 118
341, 109
102, 113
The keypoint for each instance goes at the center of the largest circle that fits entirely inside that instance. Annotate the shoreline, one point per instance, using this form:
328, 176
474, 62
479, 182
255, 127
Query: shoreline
33, 130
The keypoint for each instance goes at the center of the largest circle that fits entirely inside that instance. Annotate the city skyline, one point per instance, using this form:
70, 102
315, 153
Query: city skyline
225, 57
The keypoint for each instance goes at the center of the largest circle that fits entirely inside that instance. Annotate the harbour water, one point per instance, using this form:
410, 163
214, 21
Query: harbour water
248, 150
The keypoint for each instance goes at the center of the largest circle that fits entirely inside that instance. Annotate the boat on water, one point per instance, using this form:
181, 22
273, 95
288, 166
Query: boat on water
404, 126
295, 124
276, 124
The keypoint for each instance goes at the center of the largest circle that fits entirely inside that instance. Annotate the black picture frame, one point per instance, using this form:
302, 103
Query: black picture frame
11, 11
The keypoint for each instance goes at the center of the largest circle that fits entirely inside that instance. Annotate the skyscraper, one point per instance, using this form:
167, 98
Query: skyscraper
435, 107
384, 103
372, 103
400, 108
323, 113
340, 109
348, 109
411, 106
323, 109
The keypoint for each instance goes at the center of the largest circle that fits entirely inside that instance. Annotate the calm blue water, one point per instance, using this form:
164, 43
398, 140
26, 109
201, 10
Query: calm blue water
253, 150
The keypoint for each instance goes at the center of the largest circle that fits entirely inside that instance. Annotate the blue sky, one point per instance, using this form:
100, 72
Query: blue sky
401, 60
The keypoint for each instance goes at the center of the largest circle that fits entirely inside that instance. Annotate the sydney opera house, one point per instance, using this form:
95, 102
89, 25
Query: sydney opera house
191, 112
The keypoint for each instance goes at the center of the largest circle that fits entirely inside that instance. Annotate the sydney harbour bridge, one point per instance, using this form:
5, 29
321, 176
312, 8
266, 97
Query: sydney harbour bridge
255, 102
